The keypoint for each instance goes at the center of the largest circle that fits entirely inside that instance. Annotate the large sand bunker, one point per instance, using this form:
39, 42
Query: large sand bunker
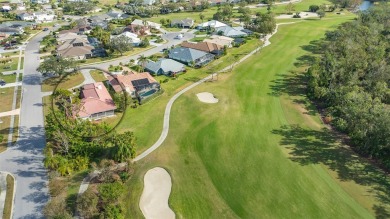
154, 198
207, 97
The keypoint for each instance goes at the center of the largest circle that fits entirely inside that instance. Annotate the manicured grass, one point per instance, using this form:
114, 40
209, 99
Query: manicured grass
6, 97
14, 53
8, 78
68, 82
146, 120
261, 152
98, 75
18, 97
9, 198
4, 130
198, 39
11, 66
22, 63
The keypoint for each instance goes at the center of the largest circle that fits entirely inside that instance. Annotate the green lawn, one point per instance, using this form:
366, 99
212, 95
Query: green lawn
10, 66
8, 78
98, 75
68, 82
261, 152
6, 97
9, 198
147, 118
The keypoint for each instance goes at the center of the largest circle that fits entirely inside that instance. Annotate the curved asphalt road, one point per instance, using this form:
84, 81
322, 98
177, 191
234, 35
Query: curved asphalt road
25, 159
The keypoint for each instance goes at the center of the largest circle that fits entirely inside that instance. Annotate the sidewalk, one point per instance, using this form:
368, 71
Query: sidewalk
10, 113
12, 84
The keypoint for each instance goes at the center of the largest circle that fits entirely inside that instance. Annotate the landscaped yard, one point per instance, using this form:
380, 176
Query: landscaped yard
98, 75
10, 66
68, 82
8, 78
4, 130
6, 97
262, 150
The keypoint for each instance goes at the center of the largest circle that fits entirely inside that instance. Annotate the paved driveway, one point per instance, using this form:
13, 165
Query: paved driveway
25, 159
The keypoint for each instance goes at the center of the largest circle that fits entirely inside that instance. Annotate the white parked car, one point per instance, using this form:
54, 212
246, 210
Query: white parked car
179, 37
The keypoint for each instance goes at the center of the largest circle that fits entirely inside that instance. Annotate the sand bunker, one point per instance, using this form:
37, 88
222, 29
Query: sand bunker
302, 14
154, 198
207, 97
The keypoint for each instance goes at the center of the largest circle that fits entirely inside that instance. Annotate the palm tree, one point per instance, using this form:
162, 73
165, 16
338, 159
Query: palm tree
142, 60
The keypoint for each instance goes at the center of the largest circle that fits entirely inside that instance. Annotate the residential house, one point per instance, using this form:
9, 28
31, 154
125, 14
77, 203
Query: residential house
132, 36
25, 16
230, 32
95, 10
96, 102
43, 17
62, 37
149, 2
205, 47
220, 40
3, 36
14, 27
138, 85
99, 20
40, 1
191, 57
164, 67
77, 48
183, 23
6, 8
80, 30
117, 15
249, 32
149, 24
210, 24
217, 2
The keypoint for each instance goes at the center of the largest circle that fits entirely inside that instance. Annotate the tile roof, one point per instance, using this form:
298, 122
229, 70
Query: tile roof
126, 81
167, 65
188, 54
220, 40
212, 23
95, 99
230, 31
203, 46
75, 47
184, 22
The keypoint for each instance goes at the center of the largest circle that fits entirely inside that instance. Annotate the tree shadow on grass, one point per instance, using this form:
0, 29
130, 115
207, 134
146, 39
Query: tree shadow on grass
314, 47
322, 147
294, 85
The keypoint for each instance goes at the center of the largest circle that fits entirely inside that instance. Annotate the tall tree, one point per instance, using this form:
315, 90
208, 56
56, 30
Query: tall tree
56, 65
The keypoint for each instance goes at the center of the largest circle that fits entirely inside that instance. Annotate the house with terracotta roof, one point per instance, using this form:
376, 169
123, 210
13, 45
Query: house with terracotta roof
138, 85
96, 102
205, 47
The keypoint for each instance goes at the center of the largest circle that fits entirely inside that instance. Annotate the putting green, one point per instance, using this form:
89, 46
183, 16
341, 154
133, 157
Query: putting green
261, 152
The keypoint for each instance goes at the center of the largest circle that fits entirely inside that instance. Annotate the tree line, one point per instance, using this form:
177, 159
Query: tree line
351, 80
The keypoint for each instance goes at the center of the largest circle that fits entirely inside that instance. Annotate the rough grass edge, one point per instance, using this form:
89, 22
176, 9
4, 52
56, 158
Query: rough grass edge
9, 199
